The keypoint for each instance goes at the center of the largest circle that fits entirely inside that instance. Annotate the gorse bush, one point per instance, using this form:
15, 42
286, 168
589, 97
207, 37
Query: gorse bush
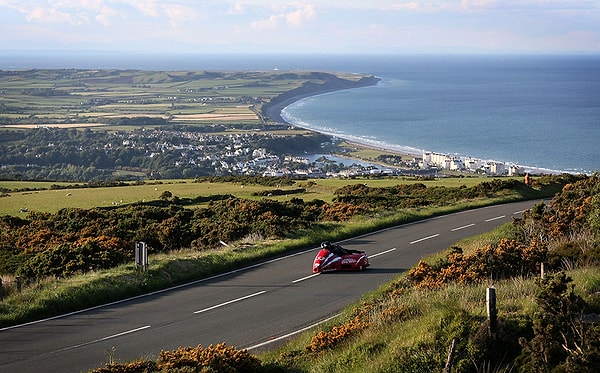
504, 259
214, 358
326, 340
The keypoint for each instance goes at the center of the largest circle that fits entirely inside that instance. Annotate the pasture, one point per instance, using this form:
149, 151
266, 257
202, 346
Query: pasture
49, 97
22, 197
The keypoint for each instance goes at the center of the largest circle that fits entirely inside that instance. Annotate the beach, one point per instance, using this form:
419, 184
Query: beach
274, 109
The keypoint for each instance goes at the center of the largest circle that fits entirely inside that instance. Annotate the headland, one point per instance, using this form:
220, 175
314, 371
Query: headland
330, 83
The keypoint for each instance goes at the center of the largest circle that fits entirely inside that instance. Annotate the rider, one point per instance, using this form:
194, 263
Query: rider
337, 249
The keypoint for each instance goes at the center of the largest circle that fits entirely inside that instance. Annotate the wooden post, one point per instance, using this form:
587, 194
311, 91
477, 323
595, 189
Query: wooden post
542, 270
449, 358
492, 313
19, 283
1, 291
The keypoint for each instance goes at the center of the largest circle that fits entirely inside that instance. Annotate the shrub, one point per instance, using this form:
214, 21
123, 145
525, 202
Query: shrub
217, 358
562, 341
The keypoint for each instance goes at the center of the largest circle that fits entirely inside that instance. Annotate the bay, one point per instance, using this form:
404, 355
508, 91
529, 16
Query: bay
541, 112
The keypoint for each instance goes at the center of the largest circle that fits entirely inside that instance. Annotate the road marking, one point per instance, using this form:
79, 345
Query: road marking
463, 227
231, 301
425, 238
102, 339
496, 218
305, 278
292, 333
381, 253
123, 333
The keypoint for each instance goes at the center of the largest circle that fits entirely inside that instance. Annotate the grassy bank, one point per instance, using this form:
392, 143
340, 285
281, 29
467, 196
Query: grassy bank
412, 331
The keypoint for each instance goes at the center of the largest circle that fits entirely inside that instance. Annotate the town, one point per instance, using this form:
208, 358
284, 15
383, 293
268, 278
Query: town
163, 152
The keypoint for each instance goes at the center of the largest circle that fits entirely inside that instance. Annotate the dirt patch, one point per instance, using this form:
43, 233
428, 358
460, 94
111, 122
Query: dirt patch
208, 117
53, 125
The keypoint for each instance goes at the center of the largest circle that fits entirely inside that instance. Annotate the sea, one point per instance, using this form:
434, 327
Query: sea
539, 112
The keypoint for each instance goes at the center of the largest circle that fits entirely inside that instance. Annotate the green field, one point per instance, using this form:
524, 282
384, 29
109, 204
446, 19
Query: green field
41, 196
53, 97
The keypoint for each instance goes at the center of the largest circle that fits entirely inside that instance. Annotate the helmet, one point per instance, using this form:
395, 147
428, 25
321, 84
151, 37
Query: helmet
325, 245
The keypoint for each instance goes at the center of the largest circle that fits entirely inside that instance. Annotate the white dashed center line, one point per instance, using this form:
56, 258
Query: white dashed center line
231, 301
425, 238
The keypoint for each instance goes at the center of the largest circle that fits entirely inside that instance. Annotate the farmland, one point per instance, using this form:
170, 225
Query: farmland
98, 125
103, 97
24, 196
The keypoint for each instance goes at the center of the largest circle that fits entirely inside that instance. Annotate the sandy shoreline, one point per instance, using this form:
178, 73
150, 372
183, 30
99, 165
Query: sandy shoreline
274, 110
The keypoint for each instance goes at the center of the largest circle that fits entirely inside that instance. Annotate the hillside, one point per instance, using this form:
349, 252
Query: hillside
433, 317
554, 233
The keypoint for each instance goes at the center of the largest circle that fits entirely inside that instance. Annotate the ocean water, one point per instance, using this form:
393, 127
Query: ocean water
539, 112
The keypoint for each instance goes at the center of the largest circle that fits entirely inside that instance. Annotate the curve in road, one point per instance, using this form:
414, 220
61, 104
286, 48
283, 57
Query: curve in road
254, 307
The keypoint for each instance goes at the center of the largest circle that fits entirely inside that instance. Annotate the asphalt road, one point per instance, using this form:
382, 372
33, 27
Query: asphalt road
254, 308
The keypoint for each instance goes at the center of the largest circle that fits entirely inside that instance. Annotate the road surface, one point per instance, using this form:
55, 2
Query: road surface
254, 307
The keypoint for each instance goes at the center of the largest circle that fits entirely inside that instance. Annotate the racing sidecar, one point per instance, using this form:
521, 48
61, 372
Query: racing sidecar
333, 257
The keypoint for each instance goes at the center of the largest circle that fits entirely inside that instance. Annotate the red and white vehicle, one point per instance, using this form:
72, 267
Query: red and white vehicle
333, 257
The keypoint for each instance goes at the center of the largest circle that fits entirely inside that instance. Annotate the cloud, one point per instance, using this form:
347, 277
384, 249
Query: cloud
237, 8
173, 11
420, 7
54, 15
104, 12
148, 8
105, 16
295, 17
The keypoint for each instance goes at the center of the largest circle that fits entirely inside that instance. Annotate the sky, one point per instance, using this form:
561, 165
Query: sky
324, 26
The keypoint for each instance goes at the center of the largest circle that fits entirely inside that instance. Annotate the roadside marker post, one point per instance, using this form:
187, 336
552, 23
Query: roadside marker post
141, 256
492, 312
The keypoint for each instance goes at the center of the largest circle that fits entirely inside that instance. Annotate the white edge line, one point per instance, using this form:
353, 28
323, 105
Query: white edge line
231, 301
425, 238
292, 333
104, 338
463, 227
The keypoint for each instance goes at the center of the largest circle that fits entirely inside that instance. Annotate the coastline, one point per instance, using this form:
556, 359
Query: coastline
277, 105
274, 112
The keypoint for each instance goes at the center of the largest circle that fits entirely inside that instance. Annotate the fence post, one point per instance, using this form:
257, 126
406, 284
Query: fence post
1, 291
19, 283
449, 358
492, 313
542, 270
